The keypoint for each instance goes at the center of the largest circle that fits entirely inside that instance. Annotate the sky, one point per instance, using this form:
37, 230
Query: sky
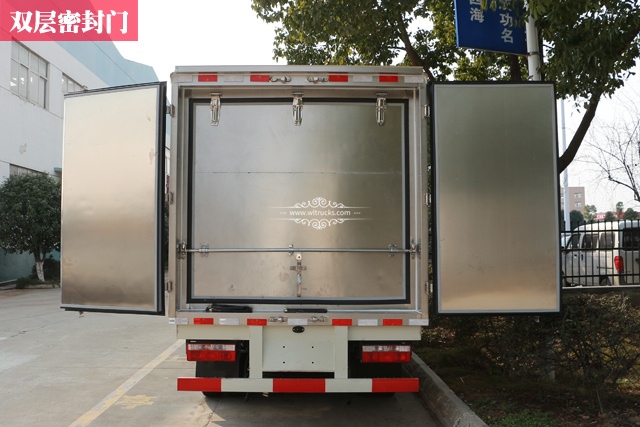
228, 32
199, 32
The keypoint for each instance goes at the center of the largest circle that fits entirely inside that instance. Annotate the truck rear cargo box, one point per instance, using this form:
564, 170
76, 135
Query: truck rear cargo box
298, 211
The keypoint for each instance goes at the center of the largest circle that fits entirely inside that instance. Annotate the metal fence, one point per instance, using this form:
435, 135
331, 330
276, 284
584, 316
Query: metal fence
602, 254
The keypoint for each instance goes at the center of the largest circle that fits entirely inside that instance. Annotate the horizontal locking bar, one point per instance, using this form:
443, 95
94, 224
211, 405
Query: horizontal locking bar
288, 250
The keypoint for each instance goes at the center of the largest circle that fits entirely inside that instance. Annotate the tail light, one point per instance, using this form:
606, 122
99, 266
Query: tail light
619, 263
386, 353
205, 352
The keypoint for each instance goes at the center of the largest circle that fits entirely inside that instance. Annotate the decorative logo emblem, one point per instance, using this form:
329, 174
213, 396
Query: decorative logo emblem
320, 213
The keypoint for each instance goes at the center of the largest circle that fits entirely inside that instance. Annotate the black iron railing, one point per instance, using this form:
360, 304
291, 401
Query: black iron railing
601, 254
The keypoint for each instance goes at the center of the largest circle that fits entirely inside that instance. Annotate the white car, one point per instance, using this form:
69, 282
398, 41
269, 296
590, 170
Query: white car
604, 254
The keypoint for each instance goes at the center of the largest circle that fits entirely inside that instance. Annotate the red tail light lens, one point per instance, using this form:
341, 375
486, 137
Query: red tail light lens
619, 263
386, 353
203, 352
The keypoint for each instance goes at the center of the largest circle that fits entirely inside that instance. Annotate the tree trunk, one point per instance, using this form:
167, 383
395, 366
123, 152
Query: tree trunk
39, 267
514, 68
416, 60
578, 137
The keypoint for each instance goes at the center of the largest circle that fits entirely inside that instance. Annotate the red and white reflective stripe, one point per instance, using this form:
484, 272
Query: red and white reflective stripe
388, 78
235, 321
259, 78
207, 77
333, 78
300, 385
338, 78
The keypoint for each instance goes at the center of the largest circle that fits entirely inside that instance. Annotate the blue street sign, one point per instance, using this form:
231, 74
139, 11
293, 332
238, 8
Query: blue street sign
477, 28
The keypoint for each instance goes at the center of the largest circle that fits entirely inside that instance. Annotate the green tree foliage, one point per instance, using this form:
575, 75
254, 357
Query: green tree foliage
589, 45
631, 214
377, 33
576, 218
610, 217
590, 212
30, 216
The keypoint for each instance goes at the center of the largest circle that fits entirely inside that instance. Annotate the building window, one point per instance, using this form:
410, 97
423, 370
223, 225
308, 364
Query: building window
578, 205
29, 75
69, 85
578, 195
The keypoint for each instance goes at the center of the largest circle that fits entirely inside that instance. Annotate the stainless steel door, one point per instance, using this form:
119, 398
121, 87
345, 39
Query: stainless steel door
496, 198
112, 199
332, 189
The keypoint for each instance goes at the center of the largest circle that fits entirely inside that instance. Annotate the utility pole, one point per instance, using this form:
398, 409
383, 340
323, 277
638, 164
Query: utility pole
533, 53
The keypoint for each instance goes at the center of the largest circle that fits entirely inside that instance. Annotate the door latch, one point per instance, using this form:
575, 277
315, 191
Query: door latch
215, 109
299, 268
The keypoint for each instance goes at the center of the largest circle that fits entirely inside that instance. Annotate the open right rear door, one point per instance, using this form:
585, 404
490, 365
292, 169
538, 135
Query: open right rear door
495, 182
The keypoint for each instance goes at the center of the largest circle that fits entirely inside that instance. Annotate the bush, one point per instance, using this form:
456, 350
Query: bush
595, 339
599, 337
23, 282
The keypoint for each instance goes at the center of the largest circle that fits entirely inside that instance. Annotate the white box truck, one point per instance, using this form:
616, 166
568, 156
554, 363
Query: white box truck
297, 204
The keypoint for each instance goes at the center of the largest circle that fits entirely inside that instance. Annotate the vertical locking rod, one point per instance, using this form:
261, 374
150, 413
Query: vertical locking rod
381, 108
297, 108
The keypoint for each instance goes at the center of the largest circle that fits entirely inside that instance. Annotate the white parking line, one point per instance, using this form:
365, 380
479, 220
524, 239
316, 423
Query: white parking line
112, 398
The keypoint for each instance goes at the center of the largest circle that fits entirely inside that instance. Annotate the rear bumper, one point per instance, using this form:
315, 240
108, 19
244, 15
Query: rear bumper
299, 385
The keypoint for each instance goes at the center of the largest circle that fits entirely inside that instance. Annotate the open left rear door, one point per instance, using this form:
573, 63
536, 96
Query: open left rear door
112, 199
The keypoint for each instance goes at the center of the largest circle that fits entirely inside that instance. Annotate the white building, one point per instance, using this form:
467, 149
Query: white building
34, 76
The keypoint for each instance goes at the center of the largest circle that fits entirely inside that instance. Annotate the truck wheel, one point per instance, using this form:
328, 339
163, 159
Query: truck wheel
604, 281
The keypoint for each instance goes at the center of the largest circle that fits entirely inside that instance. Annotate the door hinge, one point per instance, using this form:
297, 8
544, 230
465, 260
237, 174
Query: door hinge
168, 286
427, 111
170, 110
316, 79
381, 108
168, 198
283, 79
215, 108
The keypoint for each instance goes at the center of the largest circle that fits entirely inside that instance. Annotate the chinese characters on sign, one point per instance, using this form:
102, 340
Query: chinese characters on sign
67, 22
497, 30
79, 20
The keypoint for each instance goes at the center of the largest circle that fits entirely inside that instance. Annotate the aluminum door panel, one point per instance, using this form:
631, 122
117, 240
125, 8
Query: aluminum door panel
333, 138
496, 198
337, 181
112, 200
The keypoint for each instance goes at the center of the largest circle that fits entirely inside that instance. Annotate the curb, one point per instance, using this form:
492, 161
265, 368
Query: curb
447, 407
9, 286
